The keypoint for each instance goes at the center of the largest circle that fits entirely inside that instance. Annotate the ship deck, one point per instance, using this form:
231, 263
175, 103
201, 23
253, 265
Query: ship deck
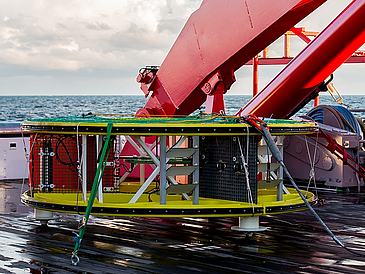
293, 242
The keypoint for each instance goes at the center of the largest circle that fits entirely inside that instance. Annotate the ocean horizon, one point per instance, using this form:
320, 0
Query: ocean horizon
17, 108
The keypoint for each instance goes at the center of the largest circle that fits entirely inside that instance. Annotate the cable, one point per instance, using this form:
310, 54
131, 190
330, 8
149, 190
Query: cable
247, 177
344, 117
276, 153
28, 158
70, 163
312, 164
79, 162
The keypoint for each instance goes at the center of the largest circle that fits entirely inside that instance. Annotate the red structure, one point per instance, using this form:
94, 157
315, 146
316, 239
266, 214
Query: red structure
218, 39
221, 36
357, 57
304, 76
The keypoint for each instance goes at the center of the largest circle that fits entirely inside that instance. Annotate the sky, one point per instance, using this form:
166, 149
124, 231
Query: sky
90, 47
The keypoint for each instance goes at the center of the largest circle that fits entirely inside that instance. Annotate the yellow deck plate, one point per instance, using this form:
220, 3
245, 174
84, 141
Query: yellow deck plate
116, 204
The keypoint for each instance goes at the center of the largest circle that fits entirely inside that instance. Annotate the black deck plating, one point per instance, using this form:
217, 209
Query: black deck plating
143, 211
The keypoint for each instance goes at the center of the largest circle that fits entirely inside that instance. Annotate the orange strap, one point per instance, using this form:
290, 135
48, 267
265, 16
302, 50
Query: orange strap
253, 120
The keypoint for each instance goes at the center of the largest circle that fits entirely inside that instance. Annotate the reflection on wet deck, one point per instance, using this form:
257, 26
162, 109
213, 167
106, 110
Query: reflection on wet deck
293, 243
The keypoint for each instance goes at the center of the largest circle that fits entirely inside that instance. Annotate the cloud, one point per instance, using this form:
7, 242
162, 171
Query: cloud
76, 40
75, 35
171, 25
98, 26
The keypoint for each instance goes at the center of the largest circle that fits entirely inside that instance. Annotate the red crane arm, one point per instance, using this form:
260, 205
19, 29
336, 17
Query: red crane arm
218, 38
312, 66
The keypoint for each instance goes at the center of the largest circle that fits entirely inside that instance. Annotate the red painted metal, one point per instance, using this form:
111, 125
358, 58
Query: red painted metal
145, 77
316, 101
286, 45
354, 59
340, 152
215, 102
218, 39
357, 57
255, 75
312, 66
302, 34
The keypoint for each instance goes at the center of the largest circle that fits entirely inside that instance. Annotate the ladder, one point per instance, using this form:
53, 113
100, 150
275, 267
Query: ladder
272, 172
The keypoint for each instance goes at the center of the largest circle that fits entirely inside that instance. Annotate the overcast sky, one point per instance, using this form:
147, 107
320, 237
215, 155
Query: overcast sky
86, 47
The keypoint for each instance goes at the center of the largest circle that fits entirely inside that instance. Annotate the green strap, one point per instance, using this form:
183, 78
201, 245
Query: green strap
94, 190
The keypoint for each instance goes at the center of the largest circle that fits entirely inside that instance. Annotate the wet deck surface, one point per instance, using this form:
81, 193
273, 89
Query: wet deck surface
293, 243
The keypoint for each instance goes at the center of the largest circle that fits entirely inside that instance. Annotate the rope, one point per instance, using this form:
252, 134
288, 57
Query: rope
276, 153
250, 198
344, 117
26, 158
195, 119
99, 172
312, 163
27, 155
30, 178
79, 163
349, 117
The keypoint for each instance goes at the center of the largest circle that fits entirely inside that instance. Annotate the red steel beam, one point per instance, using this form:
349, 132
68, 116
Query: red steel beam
297, 31
255, 75
301, 34
354, 59
312, 66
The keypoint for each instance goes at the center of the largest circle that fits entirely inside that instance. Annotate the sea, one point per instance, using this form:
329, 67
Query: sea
20, 108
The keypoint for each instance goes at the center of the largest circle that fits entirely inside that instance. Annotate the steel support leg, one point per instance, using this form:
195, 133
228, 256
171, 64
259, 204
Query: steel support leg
163, 170
196, 172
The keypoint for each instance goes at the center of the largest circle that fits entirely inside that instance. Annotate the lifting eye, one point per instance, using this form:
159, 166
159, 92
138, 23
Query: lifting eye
221, 165
237, 167
204, 157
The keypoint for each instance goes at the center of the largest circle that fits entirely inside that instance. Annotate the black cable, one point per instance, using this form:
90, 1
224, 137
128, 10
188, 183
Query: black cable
154, 190
126, 169
70, 163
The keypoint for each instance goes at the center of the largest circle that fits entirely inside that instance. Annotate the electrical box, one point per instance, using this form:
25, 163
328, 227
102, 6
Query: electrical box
13, 162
